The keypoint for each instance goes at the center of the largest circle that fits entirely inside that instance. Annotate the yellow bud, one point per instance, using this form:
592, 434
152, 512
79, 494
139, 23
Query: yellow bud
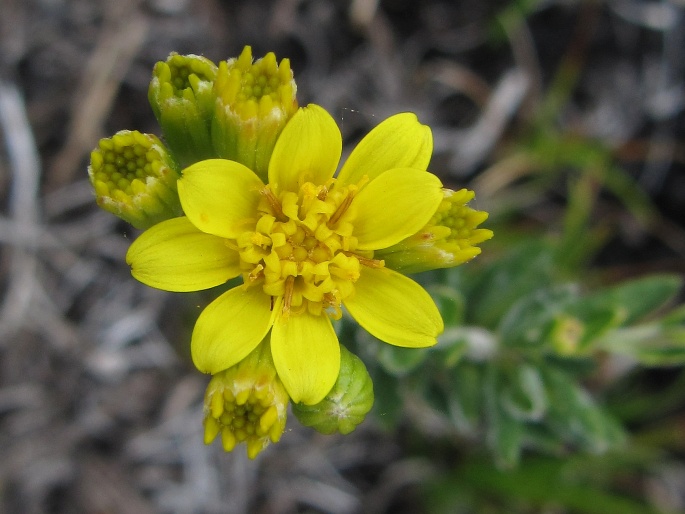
447, 240
567, 334
254, 102
134, 177
247, 403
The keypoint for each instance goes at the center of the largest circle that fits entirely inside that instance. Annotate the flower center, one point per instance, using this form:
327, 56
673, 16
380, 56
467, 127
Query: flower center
303, 248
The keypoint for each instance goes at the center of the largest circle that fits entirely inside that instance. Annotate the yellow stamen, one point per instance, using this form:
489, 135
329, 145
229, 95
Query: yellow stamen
342, 208
288, 296
323, 192
274, 203
302, 250
256, 273
371, 263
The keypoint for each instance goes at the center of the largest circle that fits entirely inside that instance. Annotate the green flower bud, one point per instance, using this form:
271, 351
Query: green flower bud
247, 403
134, 177
254, 102
447, 240
181, 94
566, 335
347, 403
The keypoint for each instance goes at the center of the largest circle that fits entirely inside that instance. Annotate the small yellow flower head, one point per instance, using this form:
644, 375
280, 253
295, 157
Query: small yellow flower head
304, 244
447, 240
134, 177
346, 405
566, 335
255, 101
246, 403
181, 94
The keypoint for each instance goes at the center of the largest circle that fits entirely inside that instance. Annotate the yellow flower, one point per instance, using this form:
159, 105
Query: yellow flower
304, 245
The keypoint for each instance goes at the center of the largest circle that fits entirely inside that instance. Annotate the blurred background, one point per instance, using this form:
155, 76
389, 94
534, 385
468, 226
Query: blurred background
567, 119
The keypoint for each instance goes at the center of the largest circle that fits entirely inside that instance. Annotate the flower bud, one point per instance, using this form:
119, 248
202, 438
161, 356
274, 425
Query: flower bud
254, 102
182, 97
567, 334
447, 240
247, 403
134, 177
347, 403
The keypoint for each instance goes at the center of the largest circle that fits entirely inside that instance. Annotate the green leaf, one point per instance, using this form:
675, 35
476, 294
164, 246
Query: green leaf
400, 361
387, 405
505, 435
652, 344
491, 293
675, 316
475, 343
529, 321
575, 417
450, 303
505, 439
637, 298
597, 323
523, 394
541, 483
464, 396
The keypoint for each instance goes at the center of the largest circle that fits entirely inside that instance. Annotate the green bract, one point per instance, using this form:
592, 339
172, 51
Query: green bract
347, 403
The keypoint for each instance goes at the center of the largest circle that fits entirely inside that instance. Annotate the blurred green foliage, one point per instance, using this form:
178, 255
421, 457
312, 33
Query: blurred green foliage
519, 345
556, 387
521, 370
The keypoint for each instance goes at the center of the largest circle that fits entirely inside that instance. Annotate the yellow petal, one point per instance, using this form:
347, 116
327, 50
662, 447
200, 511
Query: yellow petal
397, 142
395, 309
308, 150
306, 354
394, 206
219, 196
230, 328
175, 256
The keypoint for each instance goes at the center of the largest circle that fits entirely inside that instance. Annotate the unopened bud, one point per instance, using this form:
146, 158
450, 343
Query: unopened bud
347, 403
447, 240
567, 334
254, 102
134, 177
181, 94
247, 403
